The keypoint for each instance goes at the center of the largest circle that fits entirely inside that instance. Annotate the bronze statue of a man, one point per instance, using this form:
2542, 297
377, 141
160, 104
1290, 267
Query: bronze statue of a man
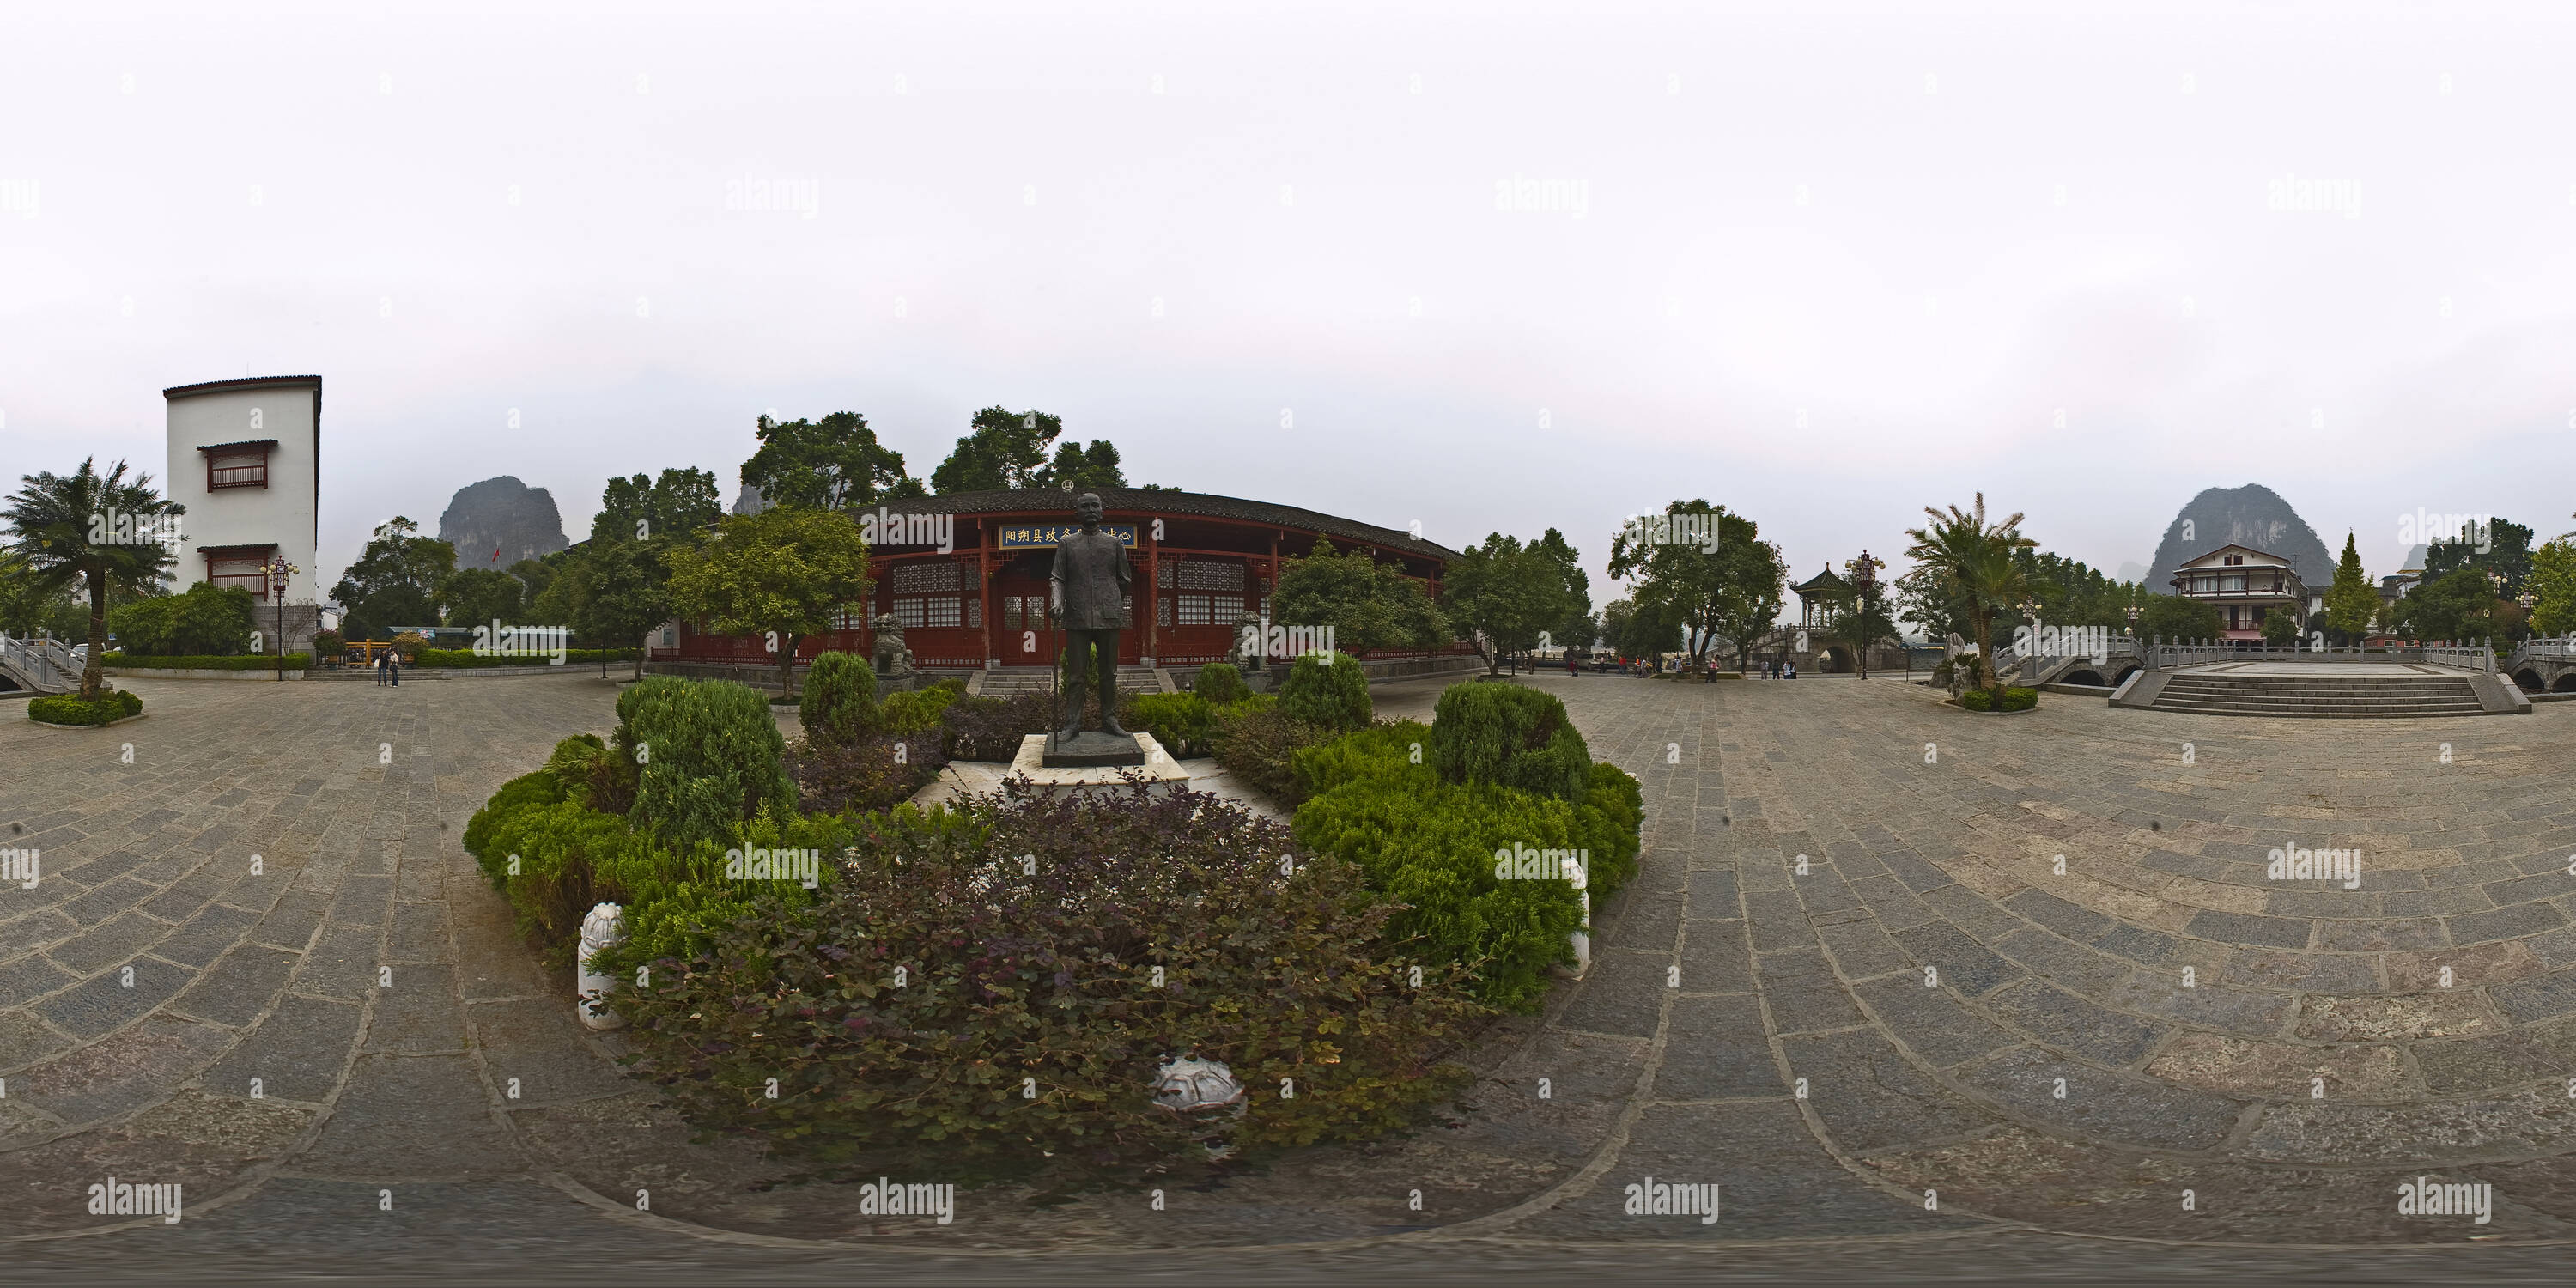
1091, 575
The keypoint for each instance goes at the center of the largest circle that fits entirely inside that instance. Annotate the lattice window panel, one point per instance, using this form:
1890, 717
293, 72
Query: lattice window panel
1203, 575
925, 578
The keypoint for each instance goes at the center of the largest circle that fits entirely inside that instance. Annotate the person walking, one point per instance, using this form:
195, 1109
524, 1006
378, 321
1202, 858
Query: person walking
1572, 668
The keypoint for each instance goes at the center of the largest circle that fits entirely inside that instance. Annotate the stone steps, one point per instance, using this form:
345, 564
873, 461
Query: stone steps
2291, 697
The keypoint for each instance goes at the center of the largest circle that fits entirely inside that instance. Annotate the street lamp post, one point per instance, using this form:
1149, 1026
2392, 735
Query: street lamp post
279, 571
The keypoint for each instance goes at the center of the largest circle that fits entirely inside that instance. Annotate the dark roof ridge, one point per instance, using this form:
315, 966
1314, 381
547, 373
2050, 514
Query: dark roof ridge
1168, 501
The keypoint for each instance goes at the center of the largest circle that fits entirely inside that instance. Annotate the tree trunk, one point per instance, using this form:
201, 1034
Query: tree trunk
786, 664
1985, 643
93, 670
641, 648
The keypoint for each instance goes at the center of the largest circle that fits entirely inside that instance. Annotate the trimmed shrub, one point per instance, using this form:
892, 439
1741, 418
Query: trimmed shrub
1510, 735
917, 710
569, 857
1179, 721
1330, 692
69, 708
1255, 740
1049, 976
2013, 699
411, 644
214, 662
876, 772
991, 728
708, 757
2020, 699
1427, 847
1220, 683
840, 700
1385, 748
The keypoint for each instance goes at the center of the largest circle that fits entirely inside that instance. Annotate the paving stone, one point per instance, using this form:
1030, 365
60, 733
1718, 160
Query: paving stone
206, 936
2101, 1106
1965, 964
2306, 972
2246, 928
1860, 949
2517, 922
342, 963
113, 944
238, 988
105, 1002
2490, 1063
1869, 1097
1622, 993
1715, 958
2057, 914
1716, 1049
538, 1042
2404, 1016
2068, 1022
1931, 1021
297, 1053
411, 1117
2253, 1069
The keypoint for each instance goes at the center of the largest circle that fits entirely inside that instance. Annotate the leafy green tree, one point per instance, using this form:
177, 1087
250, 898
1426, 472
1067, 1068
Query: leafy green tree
1733, 592
675, 505
51, 521
2173, 618
2553, 581
1078, 468
828, 464
1006, 449
394, 581
479, 596
1860, 624
1578, 626
534, 576
1976, 561
2281, 627
29, 609
2351, 602
206, 621
784, 573
1369, 605
2508, 554
1502, 595
2453, 607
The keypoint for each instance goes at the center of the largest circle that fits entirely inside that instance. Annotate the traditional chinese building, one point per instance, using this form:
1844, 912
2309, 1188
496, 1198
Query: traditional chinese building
1201, 561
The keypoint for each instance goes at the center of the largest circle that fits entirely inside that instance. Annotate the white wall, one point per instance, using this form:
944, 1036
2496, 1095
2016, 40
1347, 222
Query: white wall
282, 512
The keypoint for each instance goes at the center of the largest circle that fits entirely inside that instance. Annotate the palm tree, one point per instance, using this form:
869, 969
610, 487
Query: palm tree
1977, 562
52, 521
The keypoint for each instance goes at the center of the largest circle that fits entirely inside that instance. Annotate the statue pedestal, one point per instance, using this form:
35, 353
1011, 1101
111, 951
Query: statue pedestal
1150, 765
1091, 748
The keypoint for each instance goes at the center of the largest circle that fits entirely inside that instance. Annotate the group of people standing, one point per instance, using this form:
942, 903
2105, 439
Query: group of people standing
388, 669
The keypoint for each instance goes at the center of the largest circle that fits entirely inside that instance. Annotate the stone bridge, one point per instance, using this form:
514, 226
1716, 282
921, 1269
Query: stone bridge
2544, 666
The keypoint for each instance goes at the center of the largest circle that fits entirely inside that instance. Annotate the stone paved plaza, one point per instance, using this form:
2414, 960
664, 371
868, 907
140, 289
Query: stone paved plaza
2286, 1050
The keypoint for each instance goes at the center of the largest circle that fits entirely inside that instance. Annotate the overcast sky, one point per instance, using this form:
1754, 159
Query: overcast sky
1824, 264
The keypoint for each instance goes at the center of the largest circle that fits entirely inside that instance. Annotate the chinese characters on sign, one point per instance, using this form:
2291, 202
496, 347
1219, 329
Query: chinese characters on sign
1039, 536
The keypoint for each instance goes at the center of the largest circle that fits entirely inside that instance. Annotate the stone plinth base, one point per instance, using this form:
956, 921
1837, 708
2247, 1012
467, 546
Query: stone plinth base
1159, 771
1091, 748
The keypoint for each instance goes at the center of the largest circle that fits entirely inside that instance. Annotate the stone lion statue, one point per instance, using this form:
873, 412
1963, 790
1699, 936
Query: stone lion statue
892, 656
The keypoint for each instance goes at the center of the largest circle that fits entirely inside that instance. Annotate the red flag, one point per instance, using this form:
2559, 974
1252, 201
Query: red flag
496, 556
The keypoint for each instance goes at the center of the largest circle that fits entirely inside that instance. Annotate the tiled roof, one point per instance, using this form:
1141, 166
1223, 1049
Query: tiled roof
247, 382
1203, 505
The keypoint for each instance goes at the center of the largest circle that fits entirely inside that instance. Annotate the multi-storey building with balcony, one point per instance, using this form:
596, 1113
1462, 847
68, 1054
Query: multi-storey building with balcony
2246, 586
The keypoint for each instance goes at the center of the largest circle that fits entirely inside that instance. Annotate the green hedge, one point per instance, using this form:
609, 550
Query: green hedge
553, 856
1330, 692
1256, 741
70, 709
1509, 735
1182, 722
206, 619
2014, 699
466, 658
912, 712
1428, 845
234, 662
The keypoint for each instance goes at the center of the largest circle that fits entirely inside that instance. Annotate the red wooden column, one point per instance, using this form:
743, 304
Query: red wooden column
1153, 595
985, 536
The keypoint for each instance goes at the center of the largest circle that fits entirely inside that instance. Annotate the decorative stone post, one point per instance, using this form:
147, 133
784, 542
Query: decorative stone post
606, 925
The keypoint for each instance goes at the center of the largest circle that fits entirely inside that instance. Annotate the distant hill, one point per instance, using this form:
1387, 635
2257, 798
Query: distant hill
2131, 570
500, 521
2252, 515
